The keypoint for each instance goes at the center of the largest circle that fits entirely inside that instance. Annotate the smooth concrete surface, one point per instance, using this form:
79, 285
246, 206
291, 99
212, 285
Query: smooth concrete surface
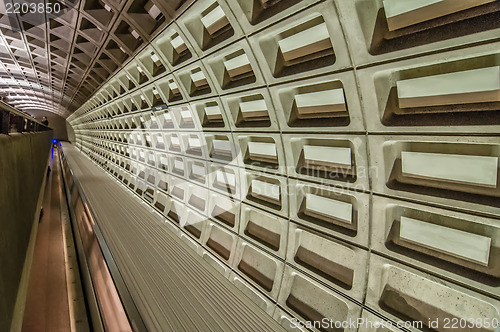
71, 132
17, 318
22, 168
56, 123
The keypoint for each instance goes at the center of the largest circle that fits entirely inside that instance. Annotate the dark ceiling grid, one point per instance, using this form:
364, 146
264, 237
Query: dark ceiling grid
97, 72
120, 46
68, 80
60, 33
34, 21
40, 58
16, 47
65, 58
102, 15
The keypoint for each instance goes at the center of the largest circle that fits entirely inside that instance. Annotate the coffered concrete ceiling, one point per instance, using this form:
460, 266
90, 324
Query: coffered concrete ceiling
55, 61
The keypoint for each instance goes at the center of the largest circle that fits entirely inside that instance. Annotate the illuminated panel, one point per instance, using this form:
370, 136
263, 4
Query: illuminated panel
448, 240
326, 207
476, 170
464, 87
403, 13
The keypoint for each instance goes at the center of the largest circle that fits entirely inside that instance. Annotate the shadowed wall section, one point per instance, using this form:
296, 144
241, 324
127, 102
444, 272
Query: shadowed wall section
23, 161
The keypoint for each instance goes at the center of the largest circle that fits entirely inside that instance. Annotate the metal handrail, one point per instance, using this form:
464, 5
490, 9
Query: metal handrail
23, 122
129, 305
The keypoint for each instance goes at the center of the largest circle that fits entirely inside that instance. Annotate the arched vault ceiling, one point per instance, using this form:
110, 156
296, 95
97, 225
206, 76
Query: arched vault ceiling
55, 61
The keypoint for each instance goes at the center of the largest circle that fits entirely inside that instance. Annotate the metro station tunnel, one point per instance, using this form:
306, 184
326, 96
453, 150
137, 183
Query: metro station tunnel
249, 165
